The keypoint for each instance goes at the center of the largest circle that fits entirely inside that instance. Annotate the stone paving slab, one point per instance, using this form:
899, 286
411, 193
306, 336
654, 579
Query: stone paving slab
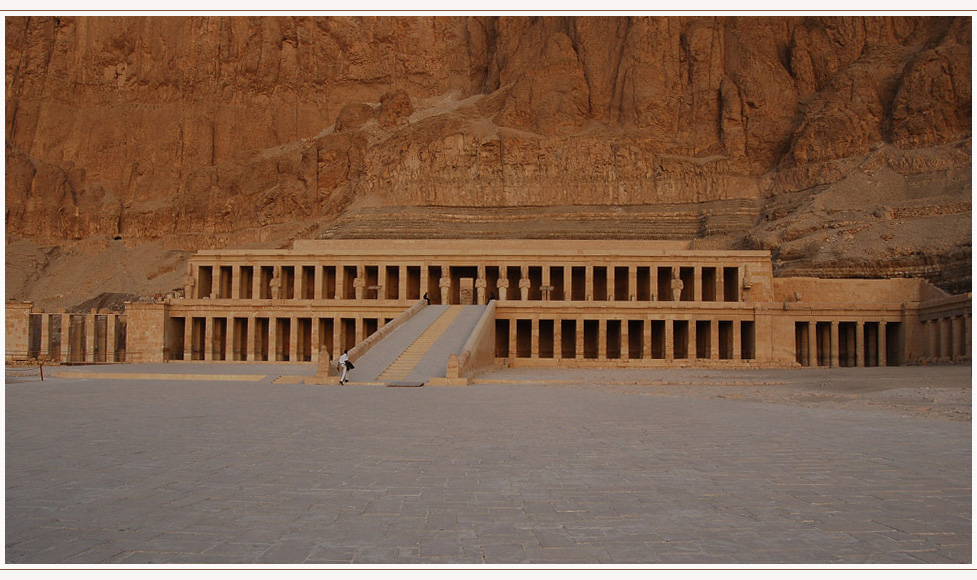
200, 472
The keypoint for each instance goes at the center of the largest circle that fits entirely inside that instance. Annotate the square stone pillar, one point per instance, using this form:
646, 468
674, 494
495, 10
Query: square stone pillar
340, 281
720, 285
669, 340
834, 344
317, 281
65, 337
314, 347
256, 282
188, 337
646, 348
534, 339
360, 330
567, 282
737, 340
272, 338
337, 338
45, 349
513, 335
859, 344
602, 339
714, 340
611, 274
946, 342
812, 343
208, 338
402, 288
691, 348
697, 282
632, 283
589, 283
653, 280
883, 349
558, 339
90, 337
293, 339
251, 339
235, 282
109, 337
425, 280
580, 339
382, 281
625, 340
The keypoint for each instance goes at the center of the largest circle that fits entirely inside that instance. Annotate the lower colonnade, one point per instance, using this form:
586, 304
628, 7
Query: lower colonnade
566, 302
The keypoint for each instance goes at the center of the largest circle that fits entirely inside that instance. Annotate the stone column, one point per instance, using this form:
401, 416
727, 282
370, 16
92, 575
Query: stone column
513, 335
235, 281
946, 342
317, 281
90, 337
402, 289
558, 339
669, 340
425, 279
602, 339
340, 281
208, 338
738, 340
567, 282
625, 340
610, 275
188, 337
293, 339
589, 283
251, 339
697, 282
720, 284
967, 338
545, 281
714, 340
534, 339
109, 337
646, 348
859, 344
632, 283
272, 338
256, 282
883, 352
812, 343
359, 283
653, 280
955, 325
337, 338
692, 350
580, 339
834, 344
45, 349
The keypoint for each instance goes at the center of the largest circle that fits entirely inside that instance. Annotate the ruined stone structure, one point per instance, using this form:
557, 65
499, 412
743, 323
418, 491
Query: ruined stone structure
568, 303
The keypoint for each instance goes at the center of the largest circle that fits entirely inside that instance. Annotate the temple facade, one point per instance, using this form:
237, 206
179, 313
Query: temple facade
557, 302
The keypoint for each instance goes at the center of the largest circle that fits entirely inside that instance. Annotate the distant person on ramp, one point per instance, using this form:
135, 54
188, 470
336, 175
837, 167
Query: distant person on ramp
344, 366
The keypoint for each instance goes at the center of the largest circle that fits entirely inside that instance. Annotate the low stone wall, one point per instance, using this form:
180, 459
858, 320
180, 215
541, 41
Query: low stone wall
478, 352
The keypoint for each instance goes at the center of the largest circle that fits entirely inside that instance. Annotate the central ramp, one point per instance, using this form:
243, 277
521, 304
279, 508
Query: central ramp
420, 348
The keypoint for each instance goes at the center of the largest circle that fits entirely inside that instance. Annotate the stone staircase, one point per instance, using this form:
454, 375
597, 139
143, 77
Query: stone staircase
408, 360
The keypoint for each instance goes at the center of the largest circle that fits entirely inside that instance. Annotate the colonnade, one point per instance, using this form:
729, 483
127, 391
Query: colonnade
264, 338
947, 338
624, 339
77, 338
834, 343
454, 284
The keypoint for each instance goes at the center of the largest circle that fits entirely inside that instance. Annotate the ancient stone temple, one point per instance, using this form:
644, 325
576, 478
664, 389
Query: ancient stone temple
543, 303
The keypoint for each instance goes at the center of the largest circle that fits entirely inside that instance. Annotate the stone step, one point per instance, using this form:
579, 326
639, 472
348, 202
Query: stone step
405, 363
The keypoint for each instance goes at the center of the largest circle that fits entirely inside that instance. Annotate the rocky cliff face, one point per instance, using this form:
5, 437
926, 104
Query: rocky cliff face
849, 138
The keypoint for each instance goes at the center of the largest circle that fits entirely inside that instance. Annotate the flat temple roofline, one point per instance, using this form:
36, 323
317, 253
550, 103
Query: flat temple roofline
495, 249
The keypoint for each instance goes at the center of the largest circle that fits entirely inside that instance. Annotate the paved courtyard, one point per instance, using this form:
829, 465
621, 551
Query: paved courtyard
527, 471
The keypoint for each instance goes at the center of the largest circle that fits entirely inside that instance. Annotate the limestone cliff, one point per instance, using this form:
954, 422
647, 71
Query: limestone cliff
844, 141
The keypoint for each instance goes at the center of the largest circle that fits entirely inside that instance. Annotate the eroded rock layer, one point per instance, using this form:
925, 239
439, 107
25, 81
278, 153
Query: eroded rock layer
843, 144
